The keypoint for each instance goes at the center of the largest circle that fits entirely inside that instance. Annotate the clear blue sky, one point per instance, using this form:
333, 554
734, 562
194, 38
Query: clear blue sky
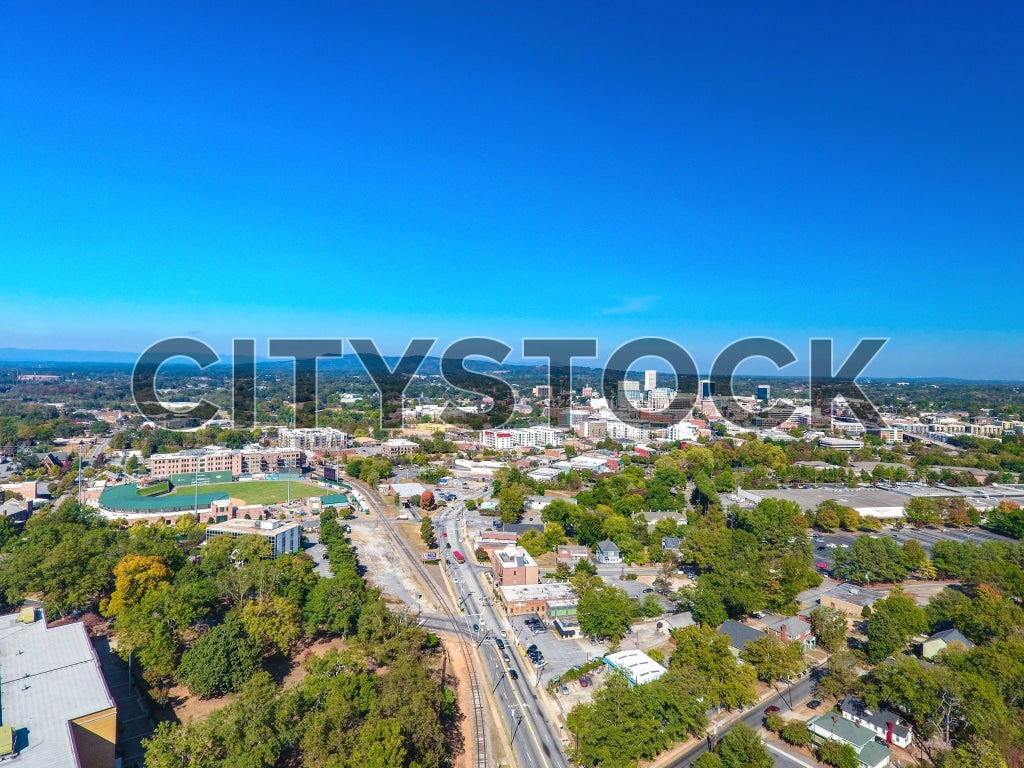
605, 170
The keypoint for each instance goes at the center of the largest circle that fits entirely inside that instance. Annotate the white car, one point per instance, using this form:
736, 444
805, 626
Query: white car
504, 633
831, 545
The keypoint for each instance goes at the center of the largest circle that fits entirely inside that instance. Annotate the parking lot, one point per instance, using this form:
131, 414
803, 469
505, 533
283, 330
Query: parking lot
928, 537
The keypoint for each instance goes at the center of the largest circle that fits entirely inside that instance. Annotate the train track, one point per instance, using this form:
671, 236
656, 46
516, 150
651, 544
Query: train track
480, 751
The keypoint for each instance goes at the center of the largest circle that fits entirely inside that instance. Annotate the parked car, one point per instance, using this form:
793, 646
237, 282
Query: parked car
771, 709
813, 704
565, 688
531, 649
647, 590
583, 682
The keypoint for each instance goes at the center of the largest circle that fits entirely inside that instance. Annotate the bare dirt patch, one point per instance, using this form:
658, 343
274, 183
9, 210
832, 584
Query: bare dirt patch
188, 708
386, 568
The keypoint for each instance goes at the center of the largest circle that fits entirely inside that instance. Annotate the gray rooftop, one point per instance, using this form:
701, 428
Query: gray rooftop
739, 634
49, 676
851, 593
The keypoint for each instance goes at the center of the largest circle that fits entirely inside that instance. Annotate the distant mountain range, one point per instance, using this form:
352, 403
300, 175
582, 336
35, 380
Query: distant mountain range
13, 355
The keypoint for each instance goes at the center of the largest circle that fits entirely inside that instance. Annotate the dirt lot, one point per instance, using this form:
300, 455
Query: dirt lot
385, 568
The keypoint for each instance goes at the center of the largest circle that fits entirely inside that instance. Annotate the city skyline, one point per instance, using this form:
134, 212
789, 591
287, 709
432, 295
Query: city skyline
691, 174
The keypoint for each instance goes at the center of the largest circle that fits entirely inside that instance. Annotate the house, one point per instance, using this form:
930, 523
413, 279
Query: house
830, 726
791, 628
675, 621
18, 511
608, 552
671, 543
849, 598
740, 635
940, 641
570, 554
884, 723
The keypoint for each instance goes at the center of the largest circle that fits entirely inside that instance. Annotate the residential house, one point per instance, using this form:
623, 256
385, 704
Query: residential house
885, 724
942, 640
791, 628
671, 544
830, 726
570, 554
740, 635
608, 552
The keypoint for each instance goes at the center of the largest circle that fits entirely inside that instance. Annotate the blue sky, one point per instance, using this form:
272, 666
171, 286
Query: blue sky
598, 170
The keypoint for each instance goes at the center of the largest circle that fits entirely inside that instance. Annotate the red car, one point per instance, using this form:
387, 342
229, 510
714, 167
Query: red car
583, 682
823, 566
769, 710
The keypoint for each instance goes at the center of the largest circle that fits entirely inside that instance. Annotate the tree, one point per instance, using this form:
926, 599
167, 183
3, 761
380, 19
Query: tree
774, 660
533, 541
829, 626
795, 732
427, 501
510, 503
702, 653
838, 754
427, 533
605, 612
134, 575
870, 560
842, 678
221, 661
272, 621
893, 621
741, 747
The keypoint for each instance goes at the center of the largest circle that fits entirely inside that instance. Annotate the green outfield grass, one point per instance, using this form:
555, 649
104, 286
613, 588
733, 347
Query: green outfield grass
257, 491
153, 490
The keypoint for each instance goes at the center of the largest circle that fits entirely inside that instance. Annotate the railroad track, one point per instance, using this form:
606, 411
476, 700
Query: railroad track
480, 751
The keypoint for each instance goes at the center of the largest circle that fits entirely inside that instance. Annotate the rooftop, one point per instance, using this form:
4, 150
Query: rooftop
533, 592
850, 593
739, 634
636, 665
50, 675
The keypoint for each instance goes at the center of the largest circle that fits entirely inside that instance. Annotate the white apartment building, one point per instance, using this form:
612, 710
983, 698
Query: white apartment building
529, 437
619, 430
322, 438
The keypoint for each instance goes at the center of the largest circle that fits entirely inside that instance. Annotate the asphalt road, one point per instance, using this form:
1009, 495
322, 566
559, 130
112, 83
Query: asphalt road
799, 692
534, 739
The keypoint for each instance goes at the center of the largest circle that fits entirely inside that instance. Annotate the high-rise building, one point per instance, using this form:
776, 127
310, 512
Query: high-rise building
764, 392
650, 380
707, 389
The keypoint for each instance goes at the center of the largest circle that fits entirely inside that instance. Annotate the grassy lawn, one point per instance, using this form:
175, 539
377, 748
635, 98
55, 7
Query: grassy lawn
152, 490
257, 491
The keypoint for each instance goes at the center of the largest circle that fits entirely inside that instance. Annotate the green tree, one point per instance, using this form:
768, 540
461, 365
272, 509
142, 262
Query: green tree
741, 747
427, 533
220, 662
838, 754
605, 612
273, 621
774, 660
829, 626
510, 504
893, 621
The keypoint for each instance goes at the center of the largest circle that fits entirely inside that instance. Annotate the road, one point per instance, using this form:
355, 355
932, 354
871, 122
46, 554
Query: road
534, 739
754, 718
